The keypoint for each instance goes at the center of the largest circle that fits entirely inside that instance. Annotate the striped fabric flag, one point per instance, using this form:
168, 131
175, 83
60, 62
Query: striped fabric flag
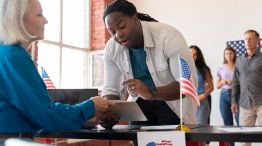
187, 86
239, 46
49, 84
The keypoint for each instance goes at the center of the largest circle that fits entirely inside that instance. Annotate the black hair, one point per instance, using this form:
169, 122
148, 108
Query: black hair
200, 61
127, 8
253, 31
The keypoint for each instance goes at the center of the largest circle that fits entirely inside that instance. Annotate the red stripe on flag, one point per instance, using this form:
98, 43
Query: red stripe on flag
187, 86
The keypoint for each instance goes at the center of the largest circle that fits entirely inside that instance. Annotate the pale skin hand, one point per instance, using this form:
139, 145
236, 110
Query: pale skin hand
228, 82
220, 83
209, 87
234, 109
202, 96
103, 106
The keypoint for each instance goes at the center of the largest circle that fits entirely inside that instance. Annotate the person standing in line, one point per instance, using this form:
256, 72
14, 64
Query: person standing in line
145, 52
24, 101
247, 83
205, 84
225, 77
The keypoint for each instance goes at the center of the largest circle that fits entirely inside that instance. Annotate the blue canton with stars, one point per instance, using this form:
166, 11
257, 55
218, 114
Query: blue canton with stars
185, 71
238, 45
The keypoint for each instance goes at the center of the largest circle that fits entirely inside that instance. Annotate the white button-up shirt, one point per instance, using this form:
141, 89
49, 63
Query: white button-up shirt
162, 44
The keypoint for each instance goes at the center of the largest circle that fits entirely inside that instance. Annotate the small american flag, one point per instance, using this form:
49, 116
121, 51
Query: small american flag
49, 84
187, 86
239, 46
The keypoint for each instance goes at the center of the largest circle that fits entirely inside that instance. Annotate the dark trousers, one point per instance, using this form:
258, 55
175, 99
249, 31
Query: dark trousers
157, 112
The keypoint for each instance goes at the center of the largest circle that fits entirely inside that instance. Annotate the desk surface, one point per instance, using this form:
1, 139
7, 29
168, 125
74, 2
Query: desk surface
123, 132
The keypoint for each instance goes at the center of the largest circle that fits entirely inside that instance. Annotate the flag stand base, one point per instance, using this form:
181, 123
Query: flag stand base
182, 127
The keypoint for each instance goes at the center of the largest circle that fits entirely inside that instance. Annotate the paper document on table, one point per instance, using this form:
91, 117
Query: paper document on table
130, 111
162, 127
241, 129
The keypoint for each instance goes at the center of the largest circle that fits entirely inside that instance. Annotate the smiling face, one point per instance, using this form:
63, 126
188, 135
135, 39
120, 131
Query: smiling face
126, 30
34, 20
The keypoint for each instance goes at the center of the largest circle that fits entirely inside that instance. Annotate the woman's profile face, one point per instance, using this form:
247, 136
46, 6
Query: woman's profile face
34, 20
193, 53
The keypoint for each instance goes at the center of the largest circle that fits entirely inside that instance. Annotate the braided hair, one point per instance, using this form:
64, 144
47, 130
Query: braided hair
126, 8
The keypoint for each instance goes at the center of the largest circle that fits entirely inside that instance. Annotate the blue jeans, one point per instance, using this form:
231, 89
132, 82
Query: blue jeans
225, 107
203, 112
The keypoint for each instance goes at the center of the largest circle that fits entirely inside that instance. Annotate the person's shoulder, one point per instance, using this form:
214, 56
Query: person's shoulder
221, 68
158, 26
6, 49
10, 50
112, 46
111, 43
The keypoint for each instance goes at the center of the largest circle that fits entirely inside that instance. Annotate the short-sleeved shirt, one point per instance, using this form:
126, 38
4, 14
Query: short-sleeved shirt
225, 73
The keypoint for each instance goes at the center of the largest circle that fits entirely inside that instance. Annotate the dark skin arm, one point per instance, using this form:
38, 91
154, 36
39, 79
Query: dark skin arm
165, 93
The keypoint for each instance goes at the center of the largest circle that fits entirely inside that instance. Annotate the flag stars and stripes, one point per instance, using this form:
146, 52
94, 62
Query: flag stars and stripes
187, 85
49, 84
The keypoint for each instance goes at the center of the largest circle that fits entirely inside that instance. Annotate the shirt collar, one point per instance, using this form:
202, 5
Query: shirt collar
257, 52
148, 40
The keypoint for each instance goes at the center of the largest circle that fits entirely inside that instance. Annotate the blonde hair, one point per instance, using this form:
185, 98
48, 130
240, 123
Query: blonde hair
12, 29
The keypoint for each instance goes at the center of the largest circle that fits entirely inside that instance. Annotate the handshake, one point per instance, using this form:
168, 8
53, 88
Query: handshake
105, 112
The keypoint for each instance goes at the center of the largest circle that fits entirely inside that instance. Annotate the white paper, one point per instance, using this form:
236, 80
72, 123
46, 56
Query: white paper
129, 111
241, 129
167, 138
163, 127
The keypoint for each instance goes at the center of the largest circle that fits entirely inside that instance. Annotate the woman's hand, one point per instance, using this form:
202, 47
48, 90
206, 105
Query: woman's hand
104, 106
202, 97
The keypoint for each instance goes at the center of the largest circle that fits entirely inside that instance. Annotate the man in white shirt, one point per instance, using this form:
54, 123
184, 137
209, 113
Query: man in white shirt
144, 53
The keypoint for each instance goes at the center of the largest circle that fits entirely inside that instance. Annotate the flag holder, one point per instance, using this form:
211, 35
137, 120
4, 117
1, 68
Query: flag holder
182, 127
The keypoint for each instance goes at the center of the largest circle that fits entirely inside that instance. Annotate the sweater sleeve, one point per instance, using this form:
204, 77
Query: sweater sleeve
23, 88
